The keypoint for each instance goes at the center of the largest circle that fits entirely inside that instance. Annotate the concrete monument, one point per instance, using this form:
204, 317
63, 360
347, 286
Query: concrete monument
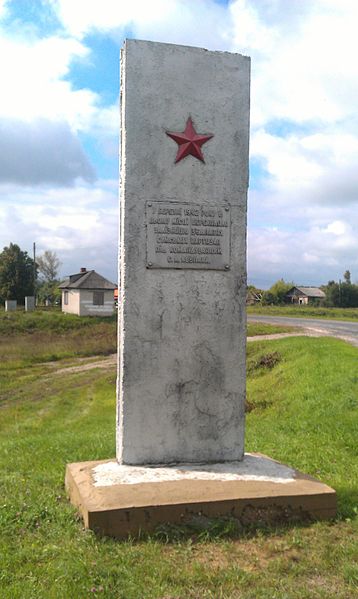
10, 305
182, 326
185, 141
29, 303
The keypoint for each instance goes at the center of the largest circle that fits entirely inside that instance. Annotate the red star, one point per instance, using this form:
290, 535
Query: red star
189, 142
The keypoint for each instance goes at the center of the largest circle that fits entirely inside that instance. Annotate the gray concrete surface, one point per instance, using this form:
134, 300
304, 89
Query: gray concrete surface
181, 383
29, 303
10, 305
348, 331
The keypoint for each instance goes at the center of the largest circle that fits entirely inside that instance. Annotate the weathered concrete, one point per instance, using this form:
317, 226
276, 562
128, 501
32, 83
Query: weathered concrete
10, 305
252, 467
119, 500
181, 379
29, 303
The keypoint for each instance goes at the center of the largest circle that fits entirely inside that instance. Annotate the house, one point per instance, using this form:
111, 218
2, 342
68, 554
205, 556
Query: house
87, 294
305, 295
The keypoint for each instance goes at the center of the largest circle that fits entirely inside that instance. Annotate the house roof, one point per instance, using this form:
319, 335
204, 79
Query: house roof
87, 280
307, 291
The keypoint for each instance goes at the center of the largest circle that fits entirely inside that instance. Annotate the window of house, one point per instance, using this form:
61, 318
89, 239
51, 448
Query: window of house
65, 298
98, 298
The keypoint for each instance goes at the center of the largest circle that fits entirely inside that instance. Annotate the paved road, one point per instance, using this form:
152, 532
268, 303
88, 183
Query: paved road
333, 328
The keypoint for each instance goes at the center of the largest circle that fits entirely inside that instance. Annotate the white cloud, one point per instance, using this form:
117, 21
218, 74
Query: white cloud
41, 152
303, 214
80, 224
3, 8
36, 83
202, 23
33, 84
83, 16
286, 160
41, 113
337, 228
311, 255
304, 64
309, 168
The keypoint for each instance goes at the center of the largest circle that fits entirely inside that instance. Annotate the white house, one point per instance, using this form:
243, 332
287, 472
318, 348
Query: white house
88, 294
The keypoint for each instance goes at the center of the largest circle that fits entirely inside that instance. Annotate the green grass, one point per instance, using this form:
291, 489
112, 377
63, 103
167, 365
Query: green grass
261, 328
34, 337
52, 321
45, 336
305, 312
302, 409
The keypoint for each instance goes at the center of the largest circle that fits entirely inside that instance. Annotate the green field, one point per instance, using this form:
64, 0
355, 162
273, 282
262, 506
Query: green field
305, 312
44, 336
261, 328
302, 408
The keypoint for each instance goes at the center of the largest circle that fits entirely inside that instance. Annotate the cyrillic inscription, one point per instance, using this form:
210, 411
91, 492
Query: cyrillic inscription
183, 235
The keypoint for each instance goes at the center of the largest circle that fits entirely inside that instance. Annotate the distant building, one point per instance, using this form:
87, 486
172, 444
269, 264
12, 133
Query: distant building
253, 297
87, 294
305, 295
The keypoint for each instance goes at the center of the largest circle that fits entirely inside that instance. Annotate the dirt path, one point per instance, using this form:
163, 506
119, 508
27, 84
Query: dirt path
301, 333
109, 362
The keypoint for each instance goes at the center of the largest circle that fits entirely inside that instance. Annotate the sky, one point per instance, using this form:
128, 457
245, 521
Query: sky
59, 126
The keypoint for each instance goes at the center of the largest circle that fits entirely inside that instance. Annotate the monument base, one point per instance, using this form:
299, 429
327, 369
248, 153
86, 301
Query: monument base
120, 500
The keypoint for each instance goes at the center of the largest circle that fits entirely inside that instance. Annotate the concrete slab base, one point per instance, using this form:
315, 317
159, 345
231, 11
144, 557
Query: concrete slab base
119, 500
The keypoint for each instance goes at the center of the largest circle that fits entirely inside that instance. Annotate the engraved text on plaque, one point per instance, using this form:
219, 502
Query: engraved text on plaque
186, 235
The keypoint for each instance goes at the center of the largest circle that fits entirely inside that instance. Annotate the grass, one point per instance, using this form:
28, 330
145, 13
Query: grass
302, 410
261, 328
52, 321
30, 338
45, 336
305, 312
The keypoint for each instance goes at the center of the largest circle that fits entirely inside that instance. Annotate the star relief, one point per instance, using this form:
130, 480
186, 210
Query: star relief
189, 141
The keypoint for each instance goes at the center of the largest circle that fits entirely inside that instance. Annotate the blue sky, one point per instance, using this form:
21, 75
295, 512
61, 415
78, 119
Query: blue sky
59, 125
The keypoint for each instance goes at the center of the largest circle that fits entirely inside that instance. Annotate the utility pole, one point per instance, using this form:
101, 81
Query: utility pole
34, 272
340, 293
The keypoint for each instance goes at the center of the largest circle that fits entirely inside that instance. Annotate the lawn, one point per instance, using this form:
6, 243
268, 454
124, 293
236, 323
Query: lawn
43, 336
261, 328
302, 408
305, 312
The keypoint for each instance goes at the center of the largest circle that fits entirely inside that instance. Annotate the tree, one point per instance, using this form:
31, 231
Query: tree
47, 289
347, 277
17, 274
48, 265
333, 294
48, 292
277, 293
343, 295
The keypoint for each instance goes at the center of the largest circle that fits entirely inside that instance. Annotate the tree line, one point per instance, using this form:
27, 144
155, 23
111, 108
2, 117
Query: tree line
343, 294
20, 275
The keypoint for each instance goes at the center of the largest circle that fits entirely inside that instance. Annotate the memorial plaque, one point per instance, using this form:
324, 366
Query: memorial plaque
186, 235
